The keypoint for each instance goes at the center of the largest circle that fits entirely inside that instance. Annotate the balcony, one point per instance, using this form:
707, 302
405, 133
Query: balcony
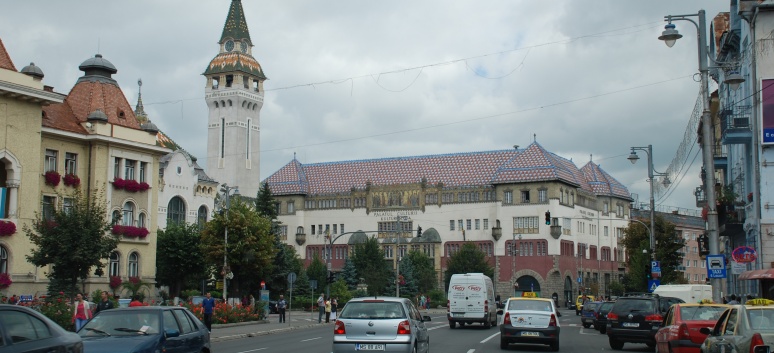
735, 125
720, 157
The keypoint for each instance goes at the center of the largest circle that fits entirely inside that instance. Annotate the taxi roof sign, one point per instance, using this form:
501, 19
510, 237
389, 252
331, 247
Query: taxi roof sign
529, 295
706, 301
759, 302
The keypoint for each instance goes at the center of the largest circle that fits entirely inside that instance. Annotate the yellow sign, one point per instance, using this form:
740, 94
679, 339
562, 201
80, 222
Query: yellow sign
529, 294
219, 284
706, 301
760, 302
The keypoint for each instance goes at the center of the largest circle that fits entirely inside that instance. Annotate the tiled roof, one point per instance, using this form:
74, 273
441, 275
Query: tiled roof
86, 97
602, 183
5, 59
235, 26
234, 61
470, 169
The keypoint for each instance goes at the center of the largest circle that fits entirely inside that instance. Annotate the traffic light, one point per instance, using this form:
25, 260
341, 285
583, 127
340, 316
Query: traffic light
419, 232
548, 218
331, 277
703, 241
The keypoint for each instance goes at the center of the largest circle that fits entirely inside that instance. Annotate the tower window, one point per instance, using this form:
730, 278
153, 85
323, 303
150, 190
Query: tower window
222, 136
214, 83
229, 80
249, 145
255, 86
246, 81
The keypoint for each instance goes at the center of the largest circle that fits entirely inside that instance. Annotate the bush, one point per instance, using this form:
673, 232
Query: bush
186, 294
227, 314
58, 309
304, 302
437, 297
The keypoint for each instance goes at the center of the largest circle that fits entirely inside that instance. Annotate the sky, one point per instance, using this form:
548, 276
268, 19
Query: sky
353, 79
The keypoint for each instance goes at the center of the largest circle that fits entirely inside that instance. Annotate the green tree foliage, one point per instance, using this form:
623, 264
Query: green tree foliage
470, 259
340, 291
301, 287
368, 258
251, 248
617, 288
423, 271
349, 274
180, 265
669, 244
265, 203
318, 271
285, 262
73, 242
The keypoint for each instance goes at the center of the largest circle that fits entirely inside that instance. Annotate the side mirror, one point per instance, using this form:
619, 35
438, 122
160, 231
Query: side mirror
426, 318
705, 330
762, 349
500, 312
171, 333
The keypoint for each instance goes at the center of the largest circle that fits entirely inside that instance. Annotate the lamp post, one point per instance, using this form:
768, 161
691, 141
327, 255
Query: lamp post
514, 253
670, 36
399, 230
652, 173
227, 193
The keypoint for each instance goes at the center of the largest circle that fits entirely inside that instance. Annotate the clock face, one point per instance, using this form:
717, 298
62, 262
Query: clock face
229, 45
245, 46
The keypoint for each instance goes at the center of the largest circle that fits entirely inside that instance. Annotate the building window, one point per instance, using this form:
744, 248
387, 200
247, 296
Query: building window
468, 224
176, 210
222, 136
508, 197
114, 264
460, 225
525, 222
248, 142
134, 265
388, 252
67, 205
128, 214
341, 228
606, 208
3, 260
313, 229
201, 216
47, 207
606, 231
525, 196
50, 163
291, 207
543, 195
129, 169
115, 218
143, 169
117, 168
478, 224
141, 220
71, 163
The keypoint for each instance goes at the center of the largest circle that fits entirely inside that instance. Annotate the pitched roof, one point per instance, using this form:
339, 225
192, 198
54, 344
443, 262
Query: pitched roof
603, 183
235, 26
234, 61
5, 59
471, 169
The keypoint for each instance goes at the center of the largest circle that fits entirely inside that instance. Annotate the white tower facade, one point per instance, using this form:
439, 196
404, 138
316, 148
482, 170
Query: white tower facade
234, 96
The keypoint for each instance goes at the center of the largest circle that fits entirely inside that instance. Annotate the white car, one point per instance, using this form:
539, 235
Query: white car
530, 320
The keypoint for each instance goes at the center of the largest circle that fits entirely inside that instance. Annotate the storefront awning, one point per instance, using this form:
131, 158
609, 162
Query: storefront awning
757, 274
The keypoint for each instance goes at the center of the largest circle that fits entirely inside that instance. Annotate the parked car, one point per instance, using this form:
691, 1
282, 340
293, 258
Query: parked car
741, 328
636, 319
588, 314
145, 329
680, 331
25, 330
580, 300
382, 324
529, 320
600, 316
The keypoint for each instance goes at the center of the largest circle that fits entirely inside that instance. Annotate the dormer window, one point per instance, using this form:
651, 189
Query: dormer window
121, 114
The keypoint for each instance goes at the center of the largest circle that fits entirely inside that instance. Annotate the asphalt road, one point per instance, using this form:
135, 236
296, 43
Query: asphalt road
469, 339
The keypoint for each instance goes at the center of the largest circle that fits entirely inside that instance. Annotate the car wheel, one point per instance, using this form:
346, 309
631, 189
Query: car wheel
651, 345
603, 330
586, 325
452, 324
503, 343
616, 344
555, 346
487, 324
577, 313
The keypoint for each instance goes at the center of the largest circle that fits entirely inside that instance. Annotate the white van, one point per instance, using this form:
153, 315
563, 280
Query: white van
471, 299
690, 293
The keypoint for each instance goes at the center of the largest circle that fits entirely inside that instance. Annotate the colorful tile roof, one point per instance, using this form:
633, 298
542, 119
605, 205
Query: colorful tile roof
234, 61
5, 59
602, 183
470, 169
235, 26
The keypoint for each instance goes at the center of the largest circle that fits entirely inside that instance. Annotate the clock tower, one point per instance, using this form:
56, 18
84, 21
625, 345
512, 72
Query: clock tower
234, 96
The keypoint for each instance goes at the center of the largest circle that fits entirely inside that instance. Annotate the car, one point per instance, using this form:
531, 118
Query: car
529, 320
679, 333
600, 316
588, 314
741, 328
471, 299
145, 329
381, 323
580, 300
636, 319
25, 330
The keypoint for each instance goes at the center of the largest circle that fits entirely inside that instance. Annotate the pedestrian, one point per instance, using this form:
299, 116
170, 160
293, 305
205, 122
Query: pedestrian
320, 307
427, 302
281, 305
733, 300
105, 303
328, 310
135, 301
13, 300
252, 304
208, 304
334, 307
422, 301
81, 311
245, 301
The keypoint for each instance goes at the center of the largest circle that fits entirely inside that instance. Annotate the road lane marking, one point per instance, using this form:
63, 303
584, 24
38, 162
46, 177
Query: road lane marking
253, 350
471, 350
311, 339
490, 337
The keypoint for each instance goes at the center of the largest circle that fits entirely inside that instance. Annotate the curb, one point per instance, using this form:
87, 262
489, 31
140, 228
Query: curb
260, 333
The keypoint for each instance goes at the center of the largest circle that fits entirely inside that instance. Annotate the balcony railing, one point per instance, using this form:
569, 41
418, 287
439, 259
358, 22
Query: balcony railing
735, 125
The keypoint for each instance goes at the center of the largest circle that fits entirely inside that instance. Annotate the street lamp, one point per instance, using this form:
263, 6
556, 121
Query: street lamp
707, 126
399, 230
514, 253
227, 274
652, 173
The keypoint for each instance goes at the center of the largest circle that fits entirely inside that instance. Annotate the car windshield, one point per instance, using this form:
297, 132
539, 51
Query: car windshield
376, 309
761, 319
534, 305
590, 306
694, 313
605, 306
122, 323
637, 305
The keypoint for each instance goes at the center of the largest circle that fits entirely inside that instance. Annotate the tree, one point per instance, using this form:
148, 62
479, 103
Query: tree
339, 290
424, 271
265, 204
181, 265
670, 244
301, 287
470, 259
73, 241
285, 262
617, 288
408, 287
318, 271
251, 247
368, 258
349, 274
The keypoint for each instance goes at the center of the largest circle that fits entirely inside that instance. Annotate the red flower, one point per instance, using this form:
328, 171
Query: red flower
144, 186
115, 282
119, 184
5, 281
72, 180
132, 186
130, 231
7, 228
52, 178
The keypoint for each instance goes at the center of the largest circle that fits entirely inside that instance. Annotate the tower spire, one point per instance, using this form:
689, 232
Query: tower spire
139, 110
235, 27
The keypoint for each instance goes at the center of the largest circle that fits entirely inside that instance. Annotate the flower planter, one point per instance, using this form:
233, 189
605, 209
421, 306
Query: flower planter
130, 231
5, 281
72, 180
130, 185
7, 228
52, 178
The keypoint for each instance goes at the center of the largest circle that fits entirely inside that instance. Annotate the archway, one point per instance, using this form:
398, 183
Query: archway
526, 284
568, 291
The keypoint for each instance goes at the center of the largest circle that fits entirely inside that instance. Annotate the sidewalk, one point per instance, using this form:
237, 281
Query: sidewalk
295, 321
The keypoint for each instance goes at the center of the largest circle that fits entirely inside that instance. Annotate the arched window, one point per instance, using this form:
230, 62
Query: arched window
128, 216
176, 210
134, 265
116, 217
201, 217
141, 220
3, 260
115, 262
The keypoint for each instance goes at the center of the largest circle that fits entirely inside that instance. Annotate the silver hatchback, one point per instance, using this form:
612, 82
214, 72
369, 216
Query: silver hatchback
383, 324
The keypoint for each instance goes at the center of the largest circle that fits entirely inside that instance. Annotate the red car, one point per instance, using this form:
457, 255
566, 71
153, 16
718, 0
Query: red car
679, 333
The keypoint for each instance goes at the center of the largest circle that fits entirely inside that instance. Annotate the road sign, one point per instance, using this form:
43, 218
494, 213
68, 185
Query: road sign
313, 283
292, 277
219, 284
580, 280
652, 284
716, 266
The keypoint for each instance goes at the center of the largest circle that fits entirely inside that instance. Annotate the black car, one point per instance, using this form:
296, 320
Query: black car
26, 330
600, 316
636, 319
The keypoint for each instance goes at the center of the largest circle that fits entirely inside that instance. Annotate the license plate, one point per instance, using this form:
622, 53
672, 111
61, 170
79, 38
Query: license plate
530, 334
631, 324
369, 347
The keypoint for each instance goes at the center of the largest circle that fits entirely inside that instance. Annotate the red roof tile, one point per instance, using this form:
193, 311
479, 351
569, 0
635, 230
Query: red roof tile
5, 59
86, 97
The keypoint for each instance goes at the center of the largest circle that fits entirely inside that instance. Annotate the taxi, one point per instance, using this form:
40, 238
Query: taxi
529, 319
742, 328
580, 300
679, 333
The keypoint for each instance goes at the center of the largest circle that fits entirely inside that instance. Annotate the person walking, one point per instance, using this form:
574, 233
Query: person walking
320, 307
328, 310
105, 303
81, 311
208, 304
252, 304
281, 305
334, 308
422, 301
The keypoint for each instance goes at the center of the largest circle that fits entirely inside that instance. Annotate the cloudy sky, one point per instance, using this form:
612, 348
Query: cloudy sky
365, 79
